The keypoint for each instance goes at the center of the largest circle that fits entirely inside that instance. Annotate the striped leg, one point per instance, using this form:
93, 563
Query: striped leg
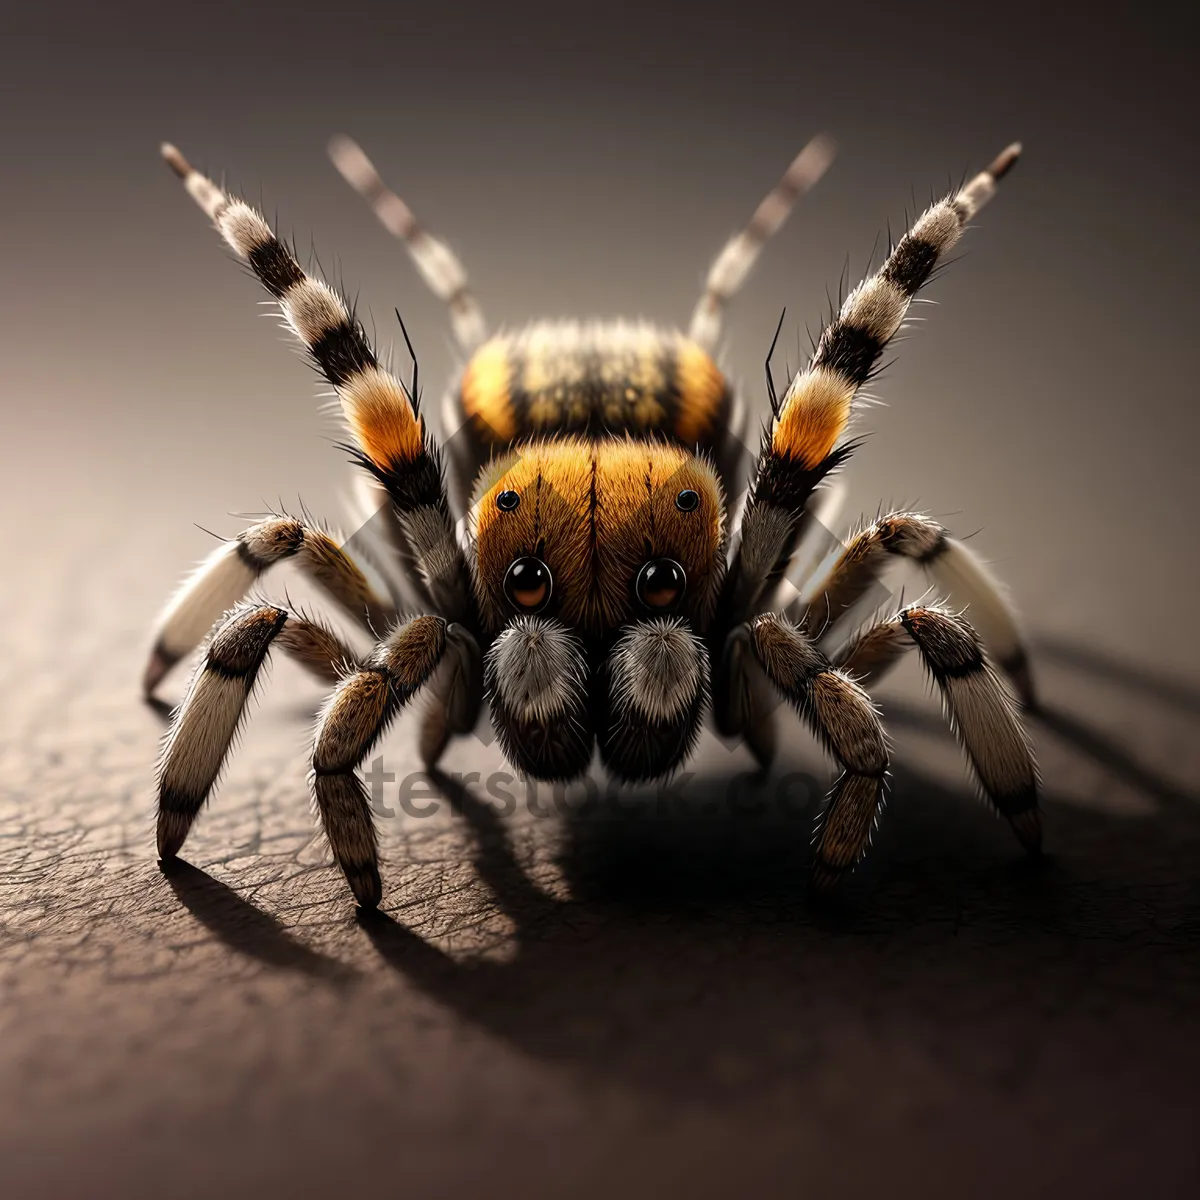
437, 263
655, 689
801, 445
358, 712
730, 268
229, 571
844, 718
383, 416
952, 567
205, 723
978, 706
743, 700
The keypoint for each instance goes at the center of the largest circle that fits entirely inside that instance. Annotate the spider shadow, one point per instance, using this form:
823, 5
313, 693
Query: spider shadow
245, 928
690, 958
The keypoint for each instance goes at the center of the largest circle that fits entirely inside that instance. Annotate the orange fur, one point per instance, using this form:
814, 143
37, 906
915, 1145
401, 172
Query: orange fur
595, 511
486, 397
702, 392
813, 415
381, 417
556, 378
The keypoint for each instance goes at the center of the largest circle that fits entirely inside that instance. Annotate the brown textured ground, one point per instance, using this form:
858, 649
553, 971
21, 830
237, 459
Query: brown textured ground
644, 1004
601, 1004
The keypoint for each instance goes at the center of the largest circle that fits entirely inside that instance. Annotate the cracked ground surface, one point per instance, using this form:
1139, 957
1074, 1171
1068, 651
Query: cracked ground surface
629, 1000
617, 1003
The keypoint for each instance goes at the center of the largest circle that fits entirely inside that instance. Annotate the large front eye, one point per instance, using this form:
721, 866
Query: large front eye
660, 584
528, 584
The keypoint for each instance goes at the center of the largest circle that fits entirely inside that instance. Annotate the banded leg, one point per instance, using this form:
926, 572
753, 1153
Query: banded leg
438, 264
955, 569
229, 571
357, 714
730, 268
979, 707
205, 723
536, 674
656, 686
843, 717
801, 445
388, 430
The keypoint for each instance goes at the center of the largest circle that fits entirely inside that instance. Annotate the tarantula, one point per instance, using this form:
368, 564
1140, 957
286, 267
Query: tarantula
597, 598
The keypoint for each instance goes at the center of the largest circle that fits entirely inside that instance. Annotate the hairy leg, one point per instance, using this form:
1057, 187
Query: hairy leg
233, 567
980, 708
954, 568
843, 717
205, 723
357, 714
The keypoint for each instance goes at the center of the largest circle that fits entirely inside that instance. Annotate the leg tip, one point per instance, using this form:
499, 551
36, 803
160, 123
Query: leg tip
1005, 161
434, 735
175, 160
366, 885
1020, 675
1027, 826
172, 833
161, 661
824, 878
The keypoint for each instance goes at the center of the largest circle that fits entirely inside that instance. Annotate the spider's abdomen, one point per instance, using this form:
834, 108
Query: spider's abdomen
592, 380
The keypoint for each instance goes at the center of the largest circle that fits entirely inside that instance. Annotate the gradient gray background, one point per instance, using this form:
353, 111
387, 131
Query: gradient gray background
592, 162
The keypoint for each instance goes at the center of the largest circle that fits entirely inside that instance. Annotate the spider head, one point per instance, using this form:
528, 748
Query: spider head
597, 533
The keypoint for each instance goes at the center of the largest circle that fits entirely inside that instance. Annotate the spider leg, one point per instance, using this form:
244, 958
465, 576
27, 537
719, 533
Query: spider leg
452, 699
225, 576
730, 268
383, 416
801, 443
655, 685
204, 725
438, 264
843, 717
356, 716
979, 707
536, 676
954, 568
743, 699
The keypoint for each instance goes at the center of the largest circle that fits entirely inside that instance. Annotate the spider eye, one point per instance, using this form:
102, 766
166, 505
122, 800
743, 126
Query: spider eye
688, 500
528, 584
660, 584
507, 501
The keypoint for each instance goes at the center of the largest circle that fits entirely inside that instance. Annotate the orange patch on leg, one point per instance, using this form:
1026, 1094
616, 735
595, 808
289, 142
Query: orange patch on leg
813, 416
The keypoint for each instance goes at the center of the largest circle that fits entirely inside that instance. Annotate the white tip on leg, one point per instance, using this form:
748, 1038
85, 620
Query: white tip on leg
355, 167
959, 572
215, 586
731, 266
199, 187
175, 160
1005, 161
983, 187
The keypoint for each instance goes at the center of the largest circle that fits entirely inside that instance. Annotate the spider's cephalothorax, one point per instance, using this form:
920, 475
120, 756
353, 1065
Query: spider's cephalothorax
597, 600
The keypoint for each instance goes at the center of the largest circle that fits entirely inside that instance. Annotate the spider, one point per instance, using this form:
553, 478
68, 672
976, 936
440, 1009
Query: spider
597, 598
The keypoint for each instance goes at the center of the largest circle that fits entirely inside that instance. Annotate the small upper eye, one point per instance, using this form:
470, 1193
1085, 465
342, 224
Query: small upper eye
507, 501
687, 500
528, 584
660, 584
